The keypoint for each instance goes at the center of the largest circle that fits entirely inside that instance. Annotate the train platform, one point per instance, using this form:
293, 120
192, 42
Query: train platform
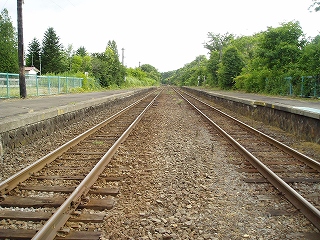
18, 112
15, 113
300, 106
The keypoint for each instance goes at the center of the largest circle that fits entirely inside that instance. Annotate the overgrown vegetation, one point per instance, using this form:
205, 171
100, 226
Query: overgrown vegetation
280, 60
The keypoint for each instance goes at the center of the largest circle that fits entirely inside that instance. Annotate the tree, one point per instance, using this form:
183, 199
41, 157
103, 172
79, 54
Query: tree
280, 48
217, 42
212, 67
315, 5
151, 71
8, 44
81, 51
33, 55
231, 66
107, 68
113, 45
310, 59
52, 55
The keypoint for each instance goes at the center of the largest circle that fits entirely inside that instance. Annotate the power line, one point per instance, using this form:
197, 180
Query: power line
71, 3
56, 4
4, 5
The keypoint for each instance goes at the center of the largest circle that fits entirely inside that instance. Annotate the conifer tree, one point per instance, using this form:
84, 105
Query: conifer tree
8, 45
33, 55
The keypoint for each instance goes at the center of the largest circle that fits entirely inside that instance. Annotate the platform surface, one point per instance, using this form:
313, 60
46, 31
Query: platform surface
22, 109
303, 106
26, 111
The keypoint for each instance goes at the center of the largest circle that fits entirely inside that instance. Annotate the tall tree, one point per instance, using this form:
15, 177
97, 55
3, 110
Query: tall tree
107, 68
81, 51
280, 48
231, 66
113, 45
151, 71
52, 55
212, 67
33, 55
8, 44
217, 42
315, 5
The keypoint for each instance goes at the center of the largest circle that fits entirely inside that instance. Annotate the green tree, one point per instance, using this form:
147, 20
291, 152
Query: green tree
212, 67
53, 55
231, 66
33, 55
310, 59
99, 68
217, 42
113, 45
81, 51
151, 71
76, 63
107, 68
86, 64
8, 44
280, 48
315, 5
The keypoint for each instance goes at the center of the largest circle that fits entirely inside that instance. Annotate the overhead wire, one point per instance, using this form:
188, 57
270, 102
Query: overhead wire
4, 5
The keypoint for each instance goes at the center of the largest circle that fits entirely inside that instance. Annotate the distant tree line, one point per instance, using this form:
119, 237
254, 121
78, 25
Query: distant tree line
51, 57
269, 62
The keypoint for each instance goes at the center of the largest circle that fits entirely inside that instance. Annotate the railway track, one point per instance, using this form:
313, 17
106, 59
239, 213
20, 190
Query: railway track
180, 201
68, 184
295, 175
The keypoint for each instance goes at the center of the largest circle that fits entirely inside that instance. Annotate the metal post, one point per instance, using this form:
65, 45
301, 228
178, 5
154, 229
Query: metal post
49, 85
122, 56
302, 80
8, 89
67, 84
40, 63
37, 85
59, 84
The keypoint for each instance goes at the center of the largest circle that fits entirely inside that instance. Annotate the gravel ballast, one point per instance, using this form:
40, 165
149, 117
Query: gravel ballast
181, 182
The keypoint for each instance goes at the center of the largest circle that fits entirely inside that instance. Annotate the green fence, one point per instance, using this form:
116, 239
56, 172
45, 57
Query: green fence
305, 86
37, 85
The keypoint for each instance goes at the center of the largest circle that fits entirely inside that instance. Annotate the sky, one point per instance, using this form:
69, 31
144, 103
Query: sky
164, 33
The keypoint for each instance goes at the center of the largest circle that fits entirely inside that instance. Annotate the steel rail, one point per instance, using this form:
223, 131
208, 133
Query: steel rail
59, 218
25, 173
303, 158
311, 212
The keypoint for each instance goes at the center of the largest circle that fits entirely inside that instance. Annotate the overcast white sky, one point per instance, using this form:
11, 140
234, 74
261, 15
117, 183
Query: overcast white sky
164, 33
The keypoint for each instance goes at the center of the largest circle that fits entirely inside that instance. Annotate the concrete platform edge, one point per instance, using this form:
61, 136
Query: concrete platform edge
34, 117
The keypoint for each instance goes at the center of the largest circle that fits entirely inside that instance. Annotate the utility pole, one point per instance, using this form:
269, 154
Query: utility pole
22, 77
122, 56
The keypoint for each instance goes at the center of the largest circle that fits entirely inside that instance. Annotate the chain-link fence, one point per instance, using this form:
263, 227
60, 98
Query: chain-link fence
37, 85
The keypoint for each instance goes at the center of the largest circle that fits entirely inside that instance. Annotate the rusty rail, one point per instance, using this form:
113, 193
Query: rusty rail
59, 218
303, 158
311, 212
25, 173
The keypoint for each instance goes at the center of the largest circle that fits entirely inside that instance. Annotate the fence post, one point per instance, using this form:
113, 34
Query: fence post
8, 89
315, 88
59, 85
302, 80
37, 84
67, 83
290, 84
49, 85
